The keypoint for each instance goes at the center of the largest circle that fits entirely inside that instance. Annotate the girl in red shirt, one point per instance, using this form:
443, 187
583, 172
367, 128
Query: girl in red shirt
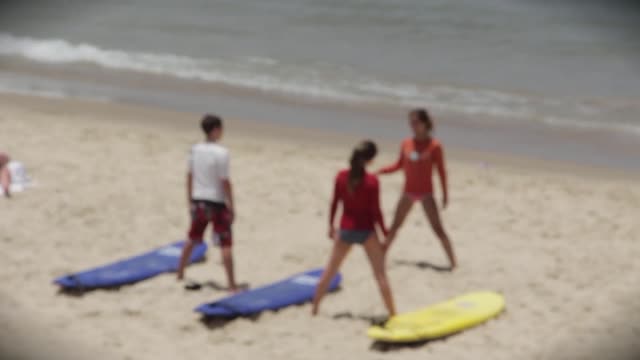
418, 156
359, 193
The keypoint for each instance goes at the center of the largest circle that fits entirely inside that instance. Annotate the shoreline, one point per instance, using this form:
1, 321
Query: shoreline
593, 147
186, 120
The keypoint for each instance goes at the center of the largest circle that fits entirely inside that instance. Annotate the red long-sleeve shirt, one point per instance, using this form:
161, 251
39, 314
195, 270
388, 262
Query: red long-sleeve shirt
360, 207
417, 159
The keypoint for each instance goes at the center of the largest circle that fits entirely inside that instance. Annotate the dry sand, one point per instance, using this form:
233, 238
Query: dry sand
562, 247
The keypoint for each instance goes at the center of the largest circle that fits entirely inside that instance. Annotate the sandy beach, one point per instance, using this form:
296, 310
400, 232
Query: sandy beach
559, 241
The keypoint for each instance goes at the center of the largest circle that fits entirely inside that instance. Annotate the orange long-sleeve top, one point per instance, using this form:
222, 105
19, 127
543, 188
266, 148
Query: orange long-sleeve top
417, 159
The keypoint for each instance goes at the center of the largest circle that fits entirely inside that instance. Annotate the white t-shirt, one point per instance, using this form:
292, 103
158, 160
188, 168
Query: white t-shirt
209, 166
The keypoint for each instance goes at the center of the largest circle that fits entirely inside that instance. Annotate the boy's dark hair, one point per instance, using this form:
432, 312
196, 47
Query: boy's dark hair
210, 122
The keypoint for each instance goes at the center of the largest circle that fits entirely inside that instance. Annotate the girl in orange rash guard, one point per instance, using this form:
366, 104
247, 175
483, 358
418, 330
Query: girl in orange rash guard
418, 156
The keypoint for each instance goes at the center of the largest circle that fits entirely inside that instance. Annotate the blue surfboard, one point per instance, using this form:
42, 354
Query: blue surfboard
294, 290
132, 270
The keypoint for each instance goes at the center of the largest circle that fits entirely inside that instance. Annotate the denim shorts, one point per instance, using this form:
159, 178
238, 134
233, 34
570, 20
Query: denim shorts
355, 236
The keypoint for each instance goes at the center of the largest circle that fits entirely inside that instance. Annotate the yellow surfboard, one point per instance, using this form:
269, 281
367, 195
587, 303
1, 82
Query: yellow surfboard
440, 320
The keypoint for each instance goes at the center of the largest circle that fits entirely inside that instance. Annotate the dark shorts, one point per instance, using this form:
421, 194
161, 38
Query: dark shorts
205, 212
355, 236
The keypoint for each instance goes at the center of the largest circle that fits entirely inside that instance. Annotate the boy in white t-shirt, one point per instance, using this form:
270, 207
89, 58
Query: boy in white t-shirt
210, 196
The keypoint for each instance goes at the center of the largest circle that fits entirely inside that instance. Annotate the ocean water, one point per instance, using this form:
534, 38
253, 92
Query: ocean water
568, 64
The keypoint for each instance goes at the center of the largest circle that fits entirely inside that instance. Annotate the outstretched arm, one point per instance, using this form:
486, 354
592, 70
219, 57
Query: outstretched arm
442, 172
393, 167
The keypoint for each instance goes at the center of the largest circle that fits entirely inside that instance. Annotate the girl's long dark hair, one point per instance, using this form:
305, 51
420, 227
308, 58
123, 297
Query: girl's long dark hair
362, 154
423, 116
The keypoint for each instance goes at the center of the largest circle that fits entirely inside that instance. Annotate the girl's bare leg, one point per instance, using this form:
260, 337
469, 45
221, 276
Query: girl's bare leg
376, 257
433, 215
402, 210
339, 252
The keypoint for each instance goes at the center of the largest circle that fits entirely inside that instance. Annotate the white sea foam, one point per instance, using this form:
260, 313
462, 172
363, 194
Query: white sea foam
320, 82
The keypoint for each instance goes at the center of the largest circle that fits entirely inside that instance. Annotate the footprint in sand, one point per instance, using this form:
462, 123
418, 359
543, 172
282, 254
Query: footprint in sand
292, 258
187, 328
131, 312
92, 314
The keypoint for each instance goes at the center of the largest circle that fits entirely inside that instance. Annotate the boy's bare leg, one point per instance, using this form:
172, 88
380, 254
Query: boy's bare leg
184, 258
227, 260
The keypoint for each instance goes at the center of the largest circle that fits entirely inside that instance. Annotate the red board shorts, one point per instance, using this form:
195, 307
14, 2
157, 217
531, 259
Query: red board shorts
204, 212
